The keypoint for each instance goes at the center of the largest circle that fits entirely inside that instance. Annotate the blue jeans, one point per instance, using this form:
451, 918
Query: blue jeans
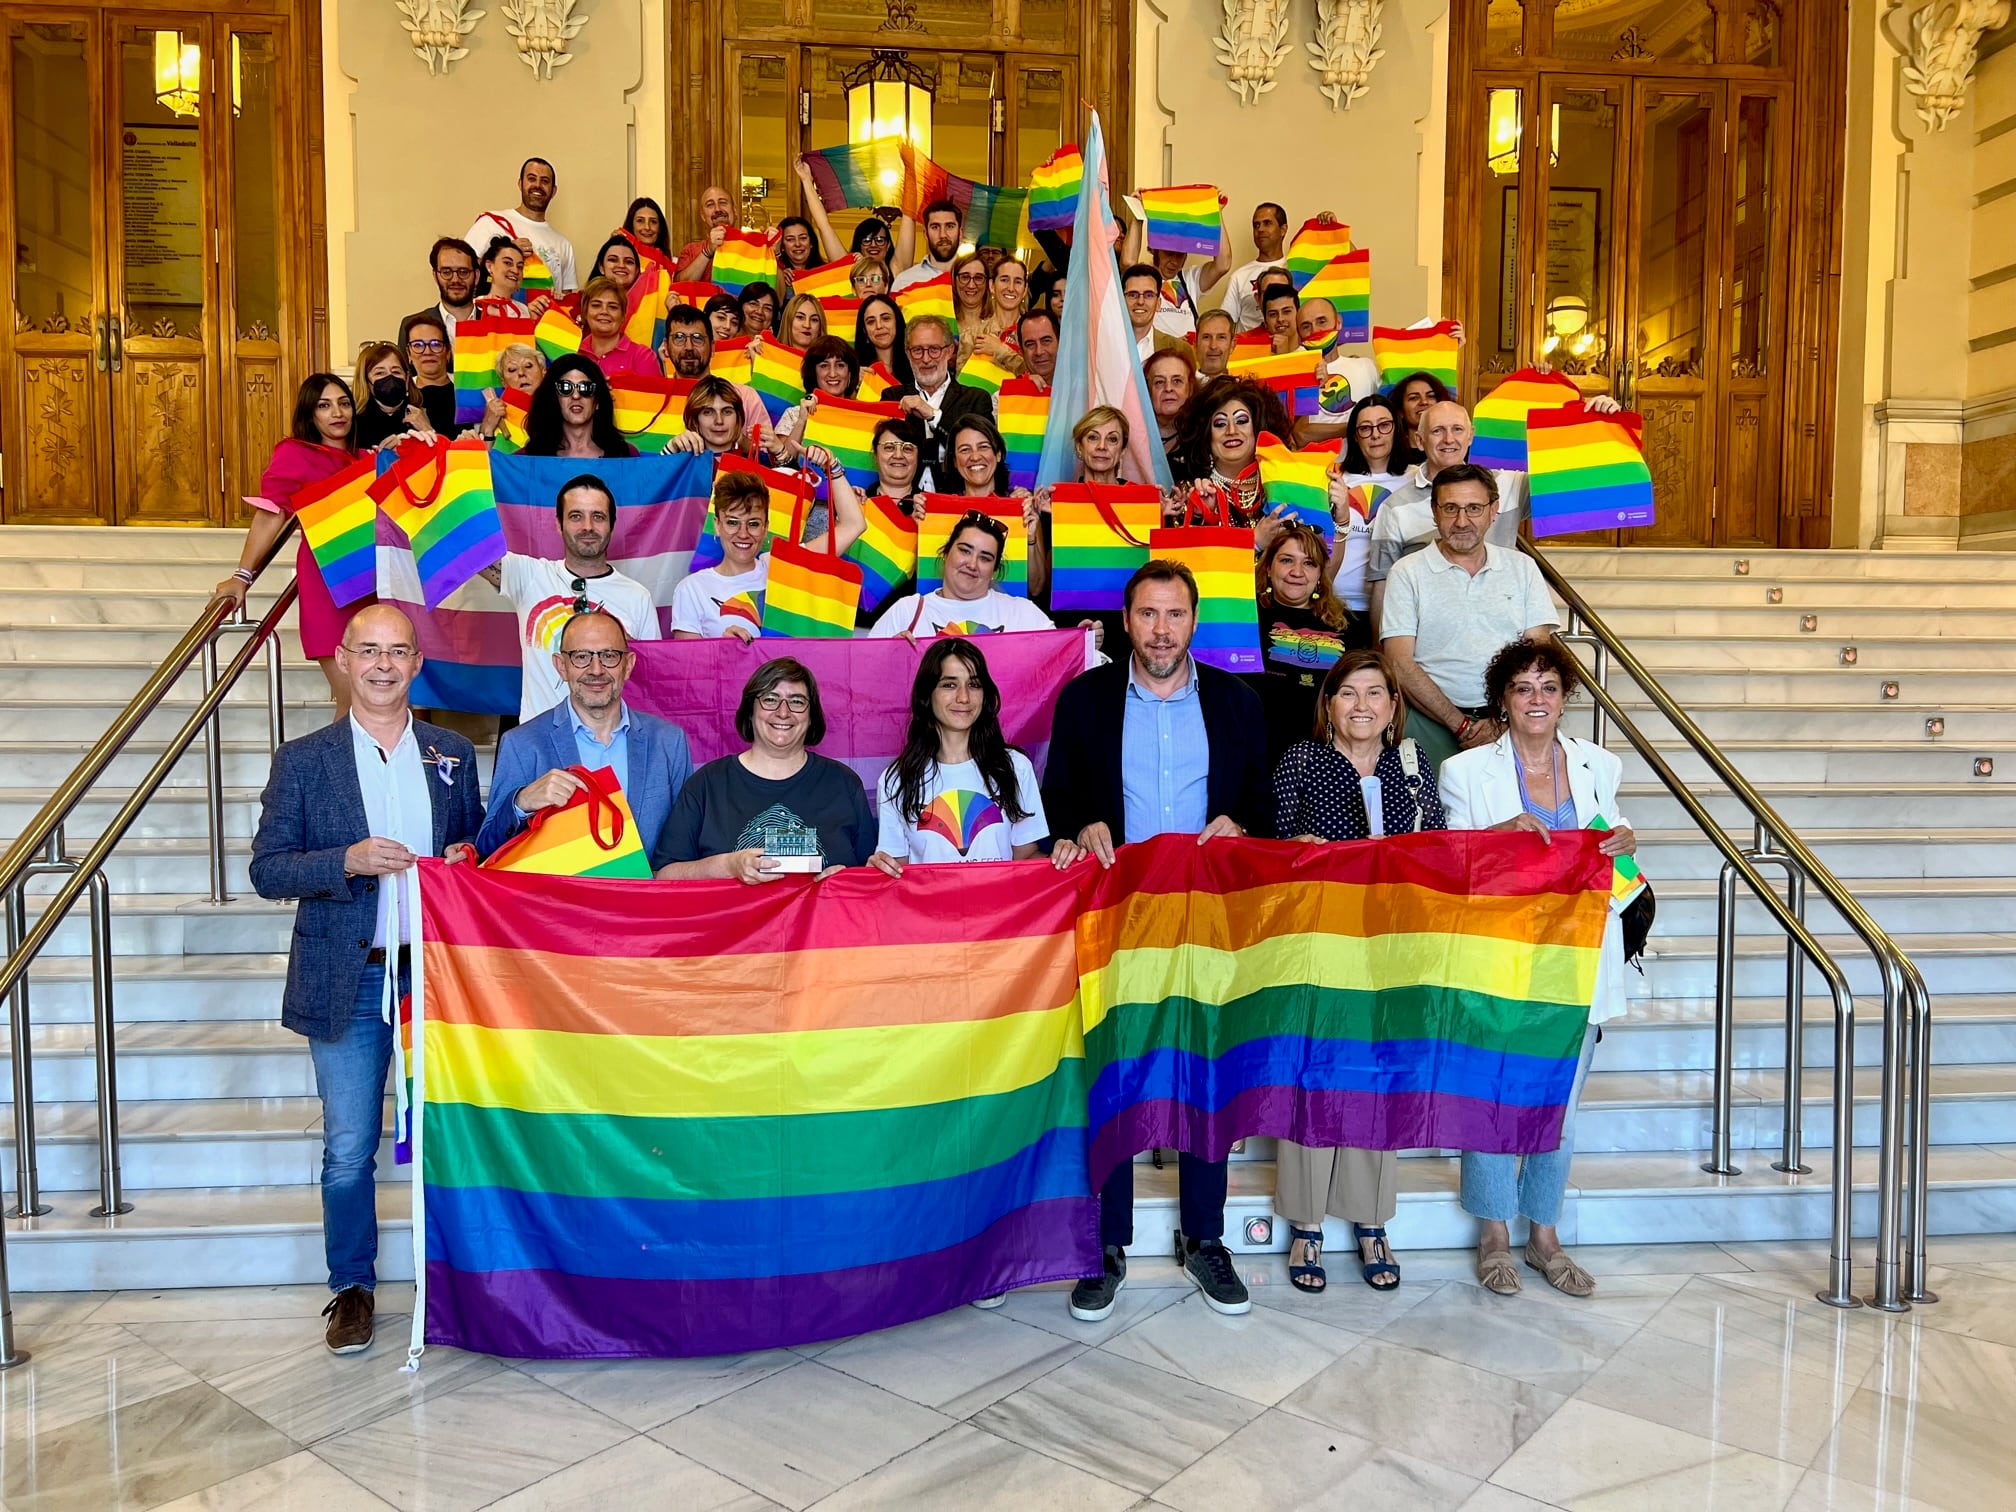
350, 1080
1504, 1187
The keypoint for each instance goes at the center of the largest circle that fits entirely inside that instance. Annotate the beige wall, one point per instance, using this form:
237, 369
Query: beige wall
1378, 165
412, 157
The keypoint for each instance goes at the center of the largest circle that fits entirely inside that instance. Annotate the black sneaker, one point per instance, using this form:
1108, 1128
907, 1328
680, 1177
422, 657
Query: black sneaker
1209, 1265
1093, 1298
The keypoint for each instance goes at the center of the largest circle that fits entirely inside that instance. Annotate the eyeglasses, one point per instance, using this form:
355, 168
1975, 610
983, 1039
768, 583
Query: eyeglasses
935, 349
377, 653
568, 388
427, 344
1464, 511
770, 703
1381, 428
688, 338
608, 656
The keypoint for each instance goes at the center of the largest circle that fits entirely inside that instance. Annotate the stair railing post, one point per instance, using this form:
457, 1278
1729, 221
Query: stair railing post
213, 777
276, 695
1791, 1159
11, 1354
1840, 1292
110, 1197
1915, 1289
1718, 1162
28, 1201
1888, 1293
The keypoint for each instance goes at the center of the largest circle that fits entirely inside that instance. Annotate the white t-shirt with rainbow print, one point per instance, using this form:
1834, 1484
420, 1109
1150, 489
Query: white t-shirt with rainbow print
542, 592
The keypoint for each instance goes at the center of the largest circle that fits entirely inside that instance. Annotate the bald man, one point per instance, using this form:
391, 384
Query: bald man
346, 813
717, 214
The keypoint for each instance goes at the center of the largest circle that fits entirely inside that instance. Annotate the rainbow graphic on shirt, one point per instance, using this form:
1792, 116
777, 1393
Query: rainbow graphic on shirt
547, 619
1365, 498
959, 816
742, 606
1303, 650
967, 627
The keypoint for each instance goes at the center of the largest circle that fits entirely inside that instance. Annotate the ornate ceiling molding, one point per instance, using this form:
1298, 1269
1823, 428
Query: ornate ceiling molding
1346, 48
436, 29
1252, 45
1945, 41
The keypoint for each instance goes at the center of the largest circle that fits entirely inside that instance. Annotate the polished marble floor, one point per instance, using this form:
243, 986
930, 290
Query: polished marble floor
1699, 1377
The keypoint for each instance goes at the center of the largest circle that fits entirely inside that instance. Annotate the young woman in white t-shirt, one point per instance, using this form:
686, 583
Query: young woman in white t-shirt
966, 602
728, 599
959, 791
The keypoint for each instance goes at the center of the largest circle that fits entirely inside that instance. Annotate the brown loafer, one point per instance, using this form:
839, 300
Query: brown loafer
1562, 1273
349, 1315
1496, 1273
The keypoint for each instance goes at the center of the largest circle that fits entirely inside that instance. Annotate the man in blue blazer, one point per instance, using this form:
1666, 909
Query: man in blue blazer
346, 812
592, 727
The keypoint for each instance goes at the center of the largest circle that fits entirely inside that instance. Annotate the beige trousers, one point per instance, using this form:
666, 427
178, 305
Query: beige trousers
1358, 1186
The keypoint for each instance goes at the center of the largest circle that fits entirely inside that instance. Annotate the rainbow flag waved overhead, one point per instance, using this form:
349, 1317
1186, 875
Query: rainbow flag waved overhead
1184, 219
1297, 483
886, 552
1398, 351
790, 497
984, 373
1098, 538
1501, 415
649, 411
593, 834
1346, 282
339, 519
1022, 411
479, 341
833, 280
743, 258
860, 175
942, 512
928, 296
875, 382
846, 428
1312, 248
1220, 557
890, 171
557, 333
440, 501
731, 359
777, 373
1586, 471
1053, 190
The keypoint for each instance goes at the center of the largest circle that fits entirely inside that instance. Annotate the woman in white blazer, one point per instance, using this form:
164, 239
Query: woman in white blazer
1535, 778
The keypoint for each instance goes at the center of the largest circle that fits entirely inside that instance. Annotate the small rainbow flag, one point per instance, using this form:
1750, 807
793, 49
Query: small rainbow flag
843, 317
1292, 375
743, 258
1346, 282
1298, 482
1303, 650
1022, 410
1098, 537
886, 552
649, 411
1587, 471
833, 280
339, 519
984, 373
959, 817
593, 834
846, 428
511, 435
942, 512
478, 342
1053, 190
440, 499
650, 296
1430, 349
875, 382
1220, 557
1184, 219
1313, 247
789, 494
929, 296
1501, 415
538, 278
556, 334
746, 607
810, 594
731, 359
778, 375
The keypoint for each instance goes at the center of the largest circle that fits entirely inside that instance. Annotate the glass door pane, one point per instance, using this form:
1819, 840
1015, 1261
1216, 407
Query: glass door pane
826, 72
1042, 116
256, 253
1747, 504
768, 113
1580, 247
1503, 282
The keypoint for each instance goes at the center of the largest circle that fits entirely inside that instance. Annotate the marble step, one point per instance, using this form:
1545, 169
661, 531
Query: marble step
1721, 564
117, 681
165, 1061
81, 719
161, 989
1869, 805
125, 542
1683, 966
1726, 723
1850, 854
140, 608
1840, 622
272, 1235
1812, 594
1791, 650
1899, 905
1858, 686
1677, 1033
174, 812
1819, 762
33, 763
171, 571
177, 924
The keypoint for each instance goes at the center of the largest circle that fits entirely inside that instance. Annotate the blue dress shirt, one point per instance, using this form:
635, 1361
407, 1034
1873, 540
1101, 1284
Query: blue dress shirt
1165, 759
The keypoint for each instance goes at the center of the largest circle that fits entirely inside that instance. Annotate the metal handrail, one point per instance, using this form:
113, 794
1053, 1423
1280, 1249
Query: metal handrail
1900, 1274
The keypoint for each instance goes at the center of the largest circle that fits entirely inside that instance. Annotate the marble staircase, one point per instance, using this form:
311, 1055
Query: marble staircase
221, 1128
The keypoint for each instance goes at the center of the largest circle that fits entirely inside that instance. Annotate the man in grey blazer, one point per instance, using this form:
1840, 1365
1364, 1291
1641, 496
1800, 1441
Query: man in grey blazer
591, 727
345, 814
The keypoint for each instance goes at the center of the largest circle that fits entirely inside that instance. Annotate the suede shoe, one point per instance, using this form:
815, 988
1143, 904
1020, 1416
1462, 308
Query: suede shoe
1209, 1266
1093, 1299
349, 1315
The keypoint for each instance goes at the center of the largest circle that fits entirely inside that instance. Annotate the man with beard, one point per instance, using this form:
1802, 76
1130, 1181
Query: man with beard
1158, 744
454, 265
546, 593
527, 225
943, 226
591, 728
688, 352
937, 398
717, 214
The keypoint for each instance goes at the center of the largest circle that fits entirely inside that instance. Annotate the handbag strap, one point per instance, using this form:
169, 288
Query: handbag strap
804, 506
663, 400
400, 475
600, 806
1109, 517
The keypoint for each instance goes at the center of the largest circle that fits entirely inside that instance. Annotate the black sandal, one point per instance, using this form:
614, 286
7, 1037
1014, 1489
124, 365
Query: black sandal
1309, 1277
1373, 1270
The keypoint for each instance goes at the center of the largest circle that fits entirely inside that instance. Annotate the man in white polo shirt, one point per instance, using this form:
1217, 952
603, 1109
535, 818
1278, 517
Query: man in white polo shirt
1452, 606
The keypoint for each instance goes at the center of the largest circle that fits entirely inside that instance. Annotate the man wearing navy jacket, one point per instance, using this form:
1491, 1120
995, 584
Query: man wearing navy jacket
1151, 745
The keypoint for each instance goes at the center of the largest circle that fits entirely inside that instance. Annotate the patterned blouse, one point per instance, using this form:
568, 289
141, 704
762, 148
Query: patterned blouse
1317, 791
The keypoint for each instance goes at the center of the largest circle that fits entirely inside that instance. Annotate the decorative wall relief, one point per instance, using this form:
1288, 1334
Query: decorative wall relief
1945, 43
1346, 48
1252, 45
542, 29
436, 28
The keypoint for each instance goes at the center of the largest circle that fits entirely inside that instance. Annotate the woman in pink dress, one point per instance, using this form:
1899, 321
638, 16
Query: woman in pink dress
318, 448
604, 311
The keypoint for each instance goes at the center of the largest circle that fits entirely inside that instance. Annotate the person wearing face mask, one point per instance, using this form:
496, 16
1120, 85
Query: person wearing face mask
527, 224
728, 599
423, 337
1345, 377
605, 309
689, 349
880, 338
717, 214
388, 407
1036, 332
455, 278
934, 395
571, 415
1303, 630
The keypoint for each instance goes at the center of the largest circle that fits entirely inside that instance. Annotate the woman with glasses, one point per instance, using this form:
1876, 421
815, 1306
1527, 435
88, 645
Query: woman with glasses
605, 310
971, 303
879, 337
728, 599
899, 443
966, 602
424, 340
870, 275
1371, 468
777, 809
571, 414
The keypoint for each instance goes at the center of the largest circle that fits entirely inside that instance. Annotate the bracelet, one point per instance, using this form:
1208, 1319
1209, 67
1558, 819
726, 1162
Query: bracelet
244, 575
1464, 728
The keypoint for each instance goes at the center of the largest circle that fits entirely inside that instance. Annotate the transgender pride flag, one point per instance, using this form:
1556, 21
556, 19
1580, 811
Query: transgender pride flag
1097, 362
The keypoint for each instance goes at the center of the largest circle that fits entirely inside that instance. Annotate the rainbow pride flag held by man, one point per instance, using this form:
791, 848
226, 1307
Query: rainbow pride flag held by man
1400, 350
1346, 281
743, 258
730, 359
942, 512
875, 382
440, 501
1501, 415
537, 279
984, 373
1297, 483
1098, 539
649, 411
886, 552
1312, 248
1586, 471
1214, 984
1184, 219
479, 341
777, 373
833, 280
339, 519
557, 333
1054, 189
928, 296
1220, 557
790, 496
846, 428
1022, 411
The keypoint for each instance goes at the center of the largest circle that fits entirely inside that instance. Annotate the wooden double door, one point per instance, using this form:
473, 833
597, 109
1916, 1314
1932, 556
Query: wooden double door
154, 319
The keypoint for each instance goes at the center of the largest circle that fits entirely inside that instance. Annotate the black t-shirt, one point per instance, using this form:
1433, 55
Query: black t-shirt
373, 424
438, 399
726, 807
1298, 649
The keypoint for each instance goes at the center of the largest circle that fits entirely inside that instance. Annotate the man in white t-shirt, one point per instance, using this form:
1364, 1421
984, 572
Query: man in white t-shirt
1242, 289
546, 594
527, 225
1316, 320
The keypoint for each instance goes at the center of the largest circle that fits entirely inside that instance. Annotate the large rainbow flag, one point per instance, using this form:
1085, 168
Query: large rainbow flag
339, 520
698, 1118
890, 171
743, 258
1586, 470
1184, 219
440, 501
1313, 247
833, 280
1401, 350
1500, 441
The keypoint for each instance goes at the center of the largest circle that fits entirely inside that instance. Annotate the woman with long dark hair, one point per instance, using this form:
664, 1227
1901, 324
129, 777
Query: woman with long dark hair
879, 337
645, 221
571, 413
959, 791
1414, 393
